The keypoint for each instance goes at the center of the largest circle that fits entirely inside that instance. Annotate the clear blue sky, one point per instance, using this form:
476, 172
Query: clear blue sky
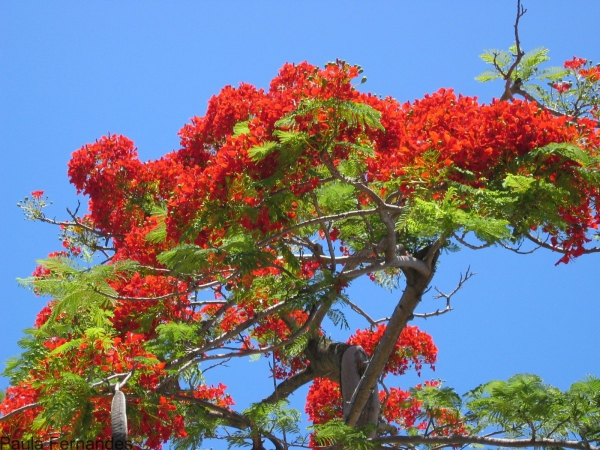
73, 71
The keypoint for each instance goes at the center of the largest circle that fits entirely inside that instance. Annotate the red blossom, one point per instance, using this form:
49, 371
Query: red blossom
413, 348
561, 87
575, 63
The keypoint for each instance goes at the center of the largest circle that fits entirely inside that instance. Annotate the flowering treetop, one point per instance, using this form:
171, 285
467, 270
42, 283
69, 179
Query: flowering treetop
242, 241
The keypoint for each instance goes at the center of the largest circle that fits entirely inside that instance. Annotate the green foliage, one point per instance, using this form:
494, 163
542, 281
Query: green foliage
547, 177
497, 57
336, 197
276, 417
62, 399
269, 419
488, 75
260, 152
530, 61
526, 406
174, 338
239, 251
95, 336
388, 279
296, 347
430, 218
553, 73
582, 407
435, 397
241, 128
159, 233
19, 368
526, 70
76, 289
337, 432
564, 91
352, 113
562, 152
290, 146
338, 318
199, 425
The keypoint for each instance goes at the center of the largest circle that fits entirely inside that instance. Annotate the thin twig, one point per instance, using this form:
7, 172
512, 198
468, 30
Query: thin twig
358, 310
463, 278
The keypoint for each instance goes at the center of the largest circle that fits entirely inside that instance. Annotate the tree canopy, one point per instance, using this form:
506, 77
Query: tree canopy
244, 240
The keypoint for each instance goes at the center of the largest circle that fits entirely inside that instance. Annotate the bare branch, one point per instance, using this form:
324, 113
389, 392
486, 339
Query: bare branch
220, 363
463, 278
208, 302
554, 248
325, 229
358, 310
512, 86
317, 220
461, 239
290, 385
517, 249
124, 375
18, 410
76, 223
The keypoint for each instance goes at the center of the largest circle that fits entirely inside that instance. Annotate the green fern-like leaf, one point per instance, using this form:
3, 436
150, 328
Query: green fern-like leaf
336, 432
186, 258
260, 152
336, 197
488, 75
353, 113
553, 73
530, 61
500, 57
76, 288
274, 417
338, 318
361, 115
241, 128
159, 233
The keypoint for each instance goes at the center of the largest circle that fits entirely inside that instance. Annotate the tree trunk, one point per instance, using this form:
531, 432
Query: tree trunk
354, 362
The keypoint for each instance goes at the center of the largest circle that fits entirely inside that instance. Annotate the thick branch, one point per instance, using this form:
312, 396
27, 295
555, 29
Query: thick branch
417, 282
482, 440
289, 386
18, 410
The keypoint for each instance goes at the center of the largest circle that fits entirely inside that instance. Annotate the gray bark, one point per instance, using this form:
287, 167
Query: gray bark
354, 362
118, 417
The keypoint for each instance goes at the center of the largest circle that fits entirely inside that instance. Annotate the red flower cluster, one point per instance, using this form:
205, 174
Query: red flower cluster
214, 395
324, 399
414, 347
575, 63
399, 407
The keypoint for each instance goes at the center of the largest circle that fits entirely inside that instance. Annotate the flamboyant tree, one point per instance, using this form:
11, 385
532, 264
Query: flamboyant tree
242, 241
